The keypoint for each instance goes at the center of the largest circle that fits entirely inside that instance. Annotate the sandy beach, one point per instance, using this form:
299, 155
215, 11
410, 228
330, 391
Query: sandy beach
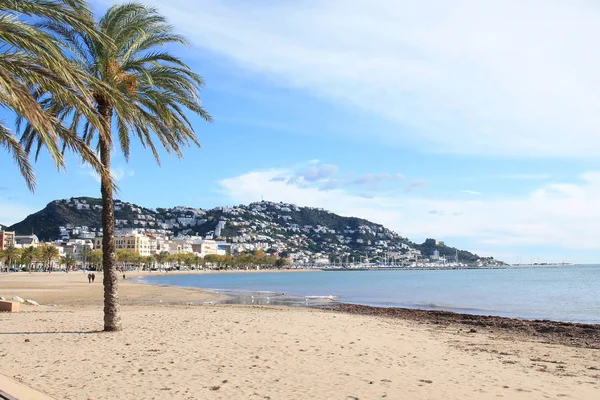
179, 344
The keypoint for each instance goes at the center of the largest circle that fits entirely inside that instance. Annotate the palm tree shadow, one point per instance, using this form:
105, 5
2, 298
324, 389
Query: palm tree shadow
53, 333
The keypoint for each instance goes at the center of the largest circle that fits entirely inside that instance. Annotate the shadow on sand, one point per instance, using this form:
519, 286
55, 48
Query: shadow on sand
52, 333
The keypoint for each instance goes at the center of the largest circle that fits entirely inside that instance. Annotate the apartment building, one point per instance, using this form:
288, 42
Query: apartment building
7, 239
76, 248
205, 247
141, 244
23, 241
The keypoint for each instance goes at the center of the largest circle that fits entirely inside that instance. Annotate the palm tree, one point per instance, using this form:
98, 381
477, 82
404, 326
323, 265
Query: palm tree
48, 253
148, 262
32, 64
150, 91
68, 261
10, 255
86, 253
95, 259
196, 260
126, 257
138, 261
161, 258
28, 256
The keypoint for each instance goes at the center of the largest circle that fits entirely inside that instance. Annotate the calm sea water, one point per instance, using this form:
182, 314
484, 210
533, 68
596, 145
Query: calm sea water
569, 293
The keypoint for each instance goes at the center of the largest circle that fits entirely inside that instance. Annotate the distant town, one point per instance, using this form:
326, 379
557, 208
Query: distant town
301, 237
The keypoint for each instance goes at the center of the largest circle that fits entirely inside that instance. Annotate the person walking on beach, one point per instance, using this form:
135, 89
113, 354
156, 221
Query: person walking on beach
93, 277
89, 278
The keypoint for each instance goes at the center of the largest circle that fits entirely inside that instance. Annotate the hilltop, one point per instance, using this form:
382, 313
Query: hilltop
277, 227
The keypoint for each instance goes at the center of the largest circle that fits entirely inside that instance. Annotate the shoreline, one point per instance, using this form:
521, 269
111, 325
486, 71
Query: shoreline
548, 331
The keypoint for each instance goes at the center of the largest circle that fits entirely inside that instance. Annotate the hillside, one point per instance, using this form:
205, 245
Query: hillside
45, 223
284, 228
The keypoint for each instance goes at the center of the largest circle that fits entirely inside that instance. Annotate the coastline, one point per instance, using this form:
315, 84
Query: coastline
172, 349
547, 331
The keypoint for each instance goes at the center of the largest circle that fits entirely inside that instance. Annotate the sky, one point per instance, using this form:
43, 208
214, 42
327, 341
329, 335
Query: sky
476, 123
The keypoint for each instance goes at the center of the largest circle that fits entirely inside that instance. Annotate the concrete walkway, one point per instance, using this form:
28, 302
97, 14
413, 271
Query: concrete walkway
19, 391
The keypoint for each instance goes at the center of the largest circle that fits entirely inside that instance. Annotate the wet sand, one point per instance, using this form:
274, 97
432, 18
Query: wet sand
178, 344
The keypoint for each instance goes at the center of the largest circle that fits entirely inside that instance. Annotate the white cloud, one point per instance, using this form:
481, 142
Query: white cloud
472, 192
326, 177
118, 173
561, 215
373, 179
317, 172
522, 176
513, 78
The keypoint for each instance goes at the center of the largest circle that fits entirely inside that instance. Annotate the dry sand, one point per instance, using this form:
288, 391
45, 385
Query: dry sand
171, 350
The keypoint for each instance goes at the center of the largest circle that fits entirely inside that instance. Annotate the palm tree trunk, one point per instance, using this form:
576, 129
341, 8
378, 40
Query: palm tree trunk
112, 319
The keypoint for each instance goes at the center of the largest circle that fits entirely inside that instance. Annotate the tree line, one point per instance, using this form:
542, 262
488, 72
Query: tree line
128, 258
40, 258
46, 256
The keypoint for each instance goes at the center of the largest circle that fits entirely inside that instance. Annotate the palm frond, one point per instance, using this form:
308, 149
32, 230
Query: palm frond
34, 66
147, 90
8, 141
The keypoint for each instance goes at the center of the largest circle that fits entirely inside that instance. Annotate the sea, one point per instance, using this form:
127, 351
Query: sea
569, 293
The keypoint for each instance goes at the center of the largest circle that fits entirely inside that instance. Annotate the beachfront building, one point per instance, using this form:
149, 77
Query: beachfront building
76, 248
22, 241
181, 246
7, 239
321, 260
98, 243
223, 248
142, 244
163, 244
204, 247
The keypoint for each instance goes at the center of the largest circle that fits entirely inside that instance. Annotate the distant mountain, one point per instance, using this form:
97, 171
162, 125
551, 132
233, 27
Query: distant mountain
45, 223
285, 228
3, 227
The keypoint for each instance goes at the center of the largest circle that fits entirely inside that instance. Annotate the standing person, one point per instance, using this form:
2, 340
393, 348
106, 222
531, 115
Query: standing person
89, 278
93, 277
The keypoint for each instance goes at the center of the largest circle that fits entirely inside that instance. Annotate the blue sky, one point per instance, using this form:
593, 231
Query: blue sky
472, 123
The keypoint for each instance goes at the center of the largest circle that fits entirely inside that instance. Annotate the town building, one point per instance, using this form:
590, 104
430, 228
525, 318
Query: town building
181, 246
23, 241
76, 248
140, 243
204, 247
7, 239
